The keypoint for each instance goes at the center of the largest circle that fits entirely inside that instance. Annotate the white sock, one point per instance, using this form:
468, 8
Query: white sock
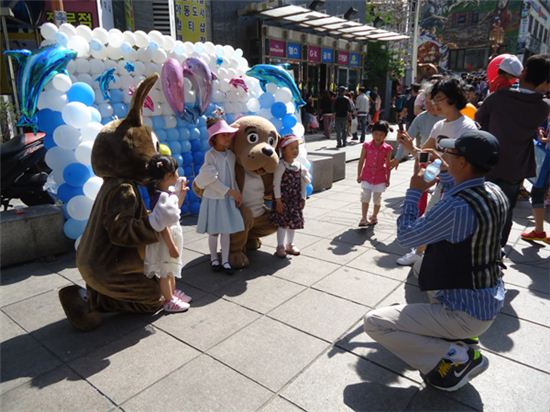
457, 353
213, 246
281, 236
290, 236
224, 241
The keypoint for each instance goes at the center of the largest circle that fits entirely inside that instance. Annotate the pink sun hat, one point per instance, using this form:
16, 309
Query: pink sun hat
287, 139
220, 126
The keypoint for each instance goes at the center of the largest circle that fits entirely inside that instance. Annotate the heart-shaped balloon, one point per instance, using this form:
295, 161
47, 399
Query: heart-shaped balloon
172, 85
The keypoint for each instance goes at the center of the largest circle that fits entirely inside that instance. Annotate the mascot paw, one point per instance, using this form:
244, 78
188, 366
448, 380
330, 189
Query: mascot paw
253, 244
238, 260
77, 309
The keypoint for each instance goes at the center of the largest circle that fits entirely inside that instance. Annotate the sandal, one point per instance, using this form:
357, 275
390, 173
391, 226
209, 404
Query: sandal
227, 268
362, 223
215, 265
175, 305
292, 250
373, 220
180, 294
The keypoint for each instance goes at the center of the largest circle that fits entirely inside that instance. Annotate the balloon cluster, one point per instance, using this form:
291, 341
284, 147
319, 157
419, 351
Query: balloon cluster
99, 87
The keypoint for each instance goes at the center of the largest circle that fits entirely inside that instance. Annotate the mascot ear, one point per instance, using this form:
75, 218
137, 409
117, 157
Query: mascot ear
135, 116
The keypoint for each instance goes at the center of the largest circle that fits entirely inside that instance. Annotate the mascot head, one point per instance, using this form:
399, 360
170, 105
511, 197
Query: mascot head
123, 147
254, 144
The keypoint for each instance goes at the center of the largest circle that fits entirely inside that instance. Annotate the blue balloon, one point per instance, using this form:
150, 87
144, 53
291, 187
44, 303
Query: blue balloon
195, 207
196, 145
187, 156
145, 196
48, 120
185, 208
174, 146
197, 168
81, 92
211, 108
76, 174
186, 147
309, 189
105, 120
158, 122
205, 145
195, 133
48, 141
178, 158
117, 96
187, 171
74, 228
289, 121
266, 100
96, 116
198, 157
161, 134
202, 121
278, 110
284, 131
204, 133
120, 110
229, 118
172, 134
66, 192
181, 172
191, 196
184, 134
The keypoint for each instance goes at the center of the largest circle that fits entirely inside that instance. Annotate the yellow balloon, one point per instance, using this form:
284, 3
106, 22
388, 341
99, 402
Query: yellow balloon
469, 111
164, 150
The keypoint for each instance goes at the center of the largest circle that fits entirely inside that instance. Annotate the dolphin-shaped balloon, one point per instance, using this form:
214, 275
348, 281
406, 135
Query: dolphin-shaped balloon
267, 73
239, 82
171, 78
36, 69
104, 79
201, 78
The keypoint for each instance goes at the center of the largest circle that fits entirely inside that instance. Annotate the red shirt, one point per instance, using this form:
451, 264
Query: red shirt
375, 170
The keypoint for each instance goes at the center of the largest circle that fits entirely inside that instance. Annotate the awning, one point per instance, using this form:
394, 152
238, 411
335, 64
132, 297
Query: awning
324, 23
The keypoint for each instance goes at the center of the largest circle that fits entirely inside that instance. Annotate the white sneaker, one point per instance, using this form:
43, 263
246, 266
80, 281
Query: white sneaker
409, 259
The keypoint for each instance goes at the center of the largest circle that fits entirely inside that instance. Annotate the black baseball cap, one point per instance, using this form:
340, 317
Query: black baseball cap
478, 147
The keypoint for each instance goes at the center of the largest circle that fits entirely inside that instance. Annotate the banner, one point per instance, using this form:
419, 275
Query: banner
294, 50
343, 58
313, 54
355, 59
78, 12
190, 20
276, 48
327, 56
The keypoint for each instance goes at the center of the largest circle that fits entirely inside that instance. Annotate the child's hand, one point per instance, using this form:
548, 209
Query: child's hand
359, 179
394, 163
279, 206
302, 204
173, 251
235, 194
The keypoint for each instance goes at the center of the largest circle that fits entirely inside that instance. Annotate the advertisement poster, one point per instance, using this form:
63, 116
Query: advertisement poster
327, 56
355, 59
313, 54
191, 20
276, 48
294, 50
343, 58
78, 12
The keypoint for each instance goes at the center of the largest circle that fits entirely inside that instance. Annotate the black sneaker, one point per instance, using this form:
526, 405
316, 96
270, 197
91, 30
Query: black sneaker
449, 376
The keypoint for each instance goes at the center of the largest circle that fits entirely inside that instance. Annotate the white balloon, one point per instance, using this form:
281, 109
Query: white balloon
142, 39
271, 88
61, 82
129, 37
79, 45
126, 50
79, 207
125, 82
98, 96
61, 39
92, 186
209, 47
90, 131
85, 32
265, 113
82, 65
76, 114
52, 99
253, 105
85, 78
46, 43
96, 67
298, 129
57, 158
239, 53
159, 56
168, 43
283, 95
139, 69
113, 52
290, 108
109, 64
83, 152
106, 110
170, 122
115, 38
48, 31
68, 29
156, 36
100, 34
66, 137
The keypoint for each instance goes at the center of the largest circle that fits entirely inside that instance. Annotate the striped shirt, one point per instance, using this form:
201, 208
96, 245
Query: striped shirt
453, 220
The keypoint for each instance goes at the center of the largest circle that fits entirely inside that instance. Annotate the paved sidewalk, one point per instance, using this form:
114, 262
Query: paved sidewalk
282, 335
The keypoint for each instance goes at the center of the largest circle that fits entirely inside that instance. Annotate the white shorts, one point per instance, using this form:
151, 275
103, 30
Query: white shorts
368, 190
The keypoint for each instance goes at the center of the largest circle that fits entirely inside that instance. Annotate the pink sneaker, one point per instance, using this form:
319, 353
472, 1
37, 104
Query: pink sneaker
292, 250
280, 252
182, 296
175, 305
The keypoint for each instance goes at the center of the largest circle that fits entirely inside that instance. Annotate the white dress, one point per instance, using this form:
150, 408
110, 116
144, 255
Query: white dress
158, 261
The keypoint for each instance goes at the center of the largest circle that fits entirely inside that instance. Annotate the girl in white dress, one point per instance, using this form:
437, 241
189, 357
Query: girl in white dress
163, 259
219, 215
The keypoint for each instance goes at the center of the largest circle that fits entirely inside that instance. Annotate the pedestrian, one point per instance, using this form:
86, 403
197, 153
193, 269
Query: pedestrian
376, 104
362, 106
218, 214
342, 110
163, 259
289, 190
513, 117
373, 171
409, 103
465, 288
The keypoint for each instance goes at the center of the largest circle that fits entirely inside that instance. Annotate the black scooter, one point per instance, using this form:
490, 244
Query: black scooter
23, 171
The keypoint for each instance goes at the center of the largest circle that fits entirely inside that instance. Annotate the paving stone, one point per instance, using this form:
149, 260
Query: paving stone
341, 218
359, 236
305, 270
340, 381
269, 352
202, 277
203, 384
319, 314
48, 324
262, 293
301, 239
358, 286
279, 404
334, 251
321, 228
128, 365
535, 278
312, 212
23, 358
431, 399
530, 254
209, 321
380, 263
21, 282
334, 203
58, 390
528, 306
406, 292
390, 245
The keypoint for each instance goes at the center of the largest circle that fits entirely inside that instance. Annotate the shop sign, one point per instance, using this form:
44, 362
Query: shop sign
313, 54
343, 58
294, 50
77, 12
190, 20
276, 48
354, 59
326, 56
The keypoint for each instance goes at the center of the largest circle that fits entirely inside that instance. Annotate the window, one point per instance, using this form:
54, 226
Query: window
545, 36
461, 19
536, 28
530, 23
474, 17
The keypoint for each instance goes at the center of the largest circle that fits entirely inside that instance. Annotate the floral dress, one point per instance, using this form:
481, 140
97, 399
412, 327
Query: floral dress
291, 196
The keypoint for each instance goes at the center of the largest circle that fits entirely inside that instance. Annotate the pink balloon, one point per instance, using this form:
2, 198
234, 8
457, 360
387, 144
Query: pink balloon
172, 85
492, 68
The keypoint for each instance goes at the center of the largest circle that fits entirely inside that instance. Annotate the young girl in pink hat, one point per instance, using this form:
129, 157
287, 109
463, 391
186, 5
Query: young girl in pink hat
218, 215
289, 189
